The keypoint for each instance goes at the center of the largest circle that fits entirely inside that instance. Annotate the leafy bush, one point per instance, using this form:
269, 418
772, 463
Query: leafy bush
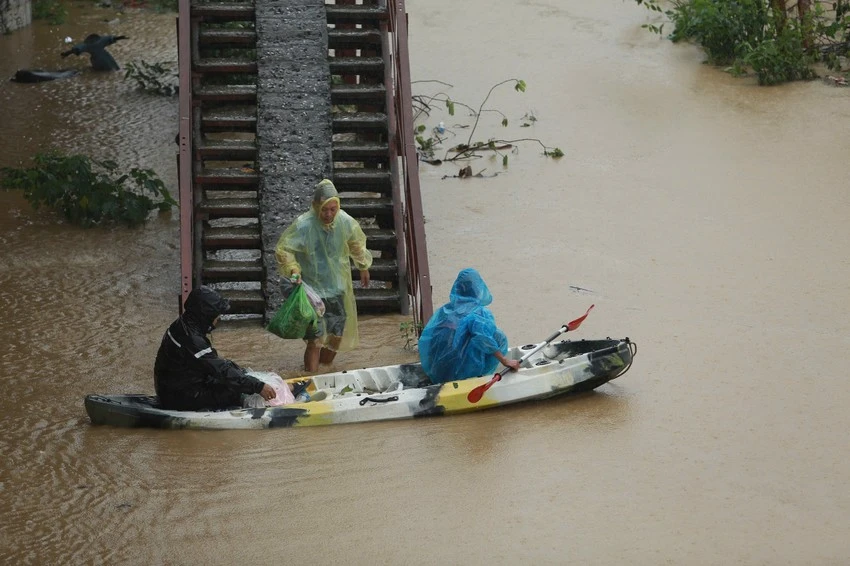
722, 27
761, 34
53, 11
87, 192
831, 33
781, 59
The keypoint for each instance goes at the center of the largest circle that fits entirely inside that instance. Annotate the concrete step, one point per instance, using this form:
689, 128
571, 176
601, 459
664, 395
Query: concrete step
372, 94
368, 207
380, 239
362, 180
233, 238
219, 12
215, 270
381, 270
359, 14
227, 38
237, 118
346, 122
226, 93
356, 151
378, 300
372, 66
227, 150
226, 177
354, 39
245, 301
225, 65
229, 207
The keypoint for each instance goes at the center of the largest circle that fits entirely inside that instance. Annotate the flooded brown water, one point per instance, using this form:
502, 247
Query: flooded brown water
704, 216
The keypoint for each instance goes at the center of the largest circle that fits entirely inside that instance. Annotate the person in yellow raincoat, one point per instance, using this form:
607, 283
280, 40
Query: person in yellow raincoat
316, 249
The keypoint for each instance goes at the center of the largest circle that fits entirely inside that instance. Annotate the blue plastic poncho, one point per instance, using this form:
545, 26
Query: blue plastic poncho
460, 339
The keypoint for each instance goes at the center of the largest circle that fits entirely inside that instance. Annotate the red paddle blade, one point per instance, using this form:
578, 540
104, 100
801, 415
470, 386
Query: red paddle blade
577, 322
476, 394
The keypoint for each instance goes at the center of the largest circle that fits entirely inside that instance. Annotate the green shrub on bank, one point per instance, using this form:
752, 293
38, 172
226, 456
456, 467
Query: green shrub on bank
52, 11
781, 59
778, 45
722, 28
88, 192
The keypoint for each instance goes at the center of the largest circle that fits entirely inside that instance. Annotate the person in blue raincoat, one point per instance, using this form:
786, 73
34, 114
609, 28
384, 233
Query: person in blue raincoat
461, 339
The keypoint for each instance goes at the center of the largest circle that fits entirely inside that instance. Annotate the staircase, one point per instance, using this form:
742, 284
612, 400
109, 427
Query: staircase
227, 242
232, 230
363, 167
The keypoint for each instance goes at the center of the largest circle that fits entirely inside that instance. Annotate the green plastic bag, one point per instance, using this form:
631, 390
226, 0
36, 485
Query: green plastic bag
295, 316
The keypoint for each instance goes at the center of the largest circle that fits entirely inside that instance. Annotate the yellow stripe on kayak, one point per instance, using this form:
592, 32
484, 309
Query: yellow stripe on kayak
318, 413
453, 395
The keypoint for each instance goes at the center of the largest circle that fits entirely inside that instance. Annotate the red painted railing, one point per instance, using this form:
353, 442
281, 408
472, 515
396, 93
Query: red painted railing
403, 143
184, 156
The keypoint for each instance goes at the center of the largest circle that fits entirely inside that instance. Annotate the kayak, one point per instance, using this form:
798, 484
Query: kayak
401, 391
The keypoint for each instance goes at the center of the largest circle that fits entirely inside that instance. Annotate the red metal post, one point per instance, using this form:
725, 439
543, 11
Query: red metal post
388, 47
184, 156
415, 218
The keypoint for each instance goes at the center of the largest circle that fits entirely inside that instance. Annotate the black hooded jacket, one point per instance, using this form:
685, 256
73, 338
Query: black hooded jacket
95, 45
188, 373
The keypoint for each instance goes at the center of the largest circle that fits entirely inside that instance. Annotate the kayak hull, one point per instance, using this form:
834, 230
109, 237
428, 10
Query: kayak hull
391, 392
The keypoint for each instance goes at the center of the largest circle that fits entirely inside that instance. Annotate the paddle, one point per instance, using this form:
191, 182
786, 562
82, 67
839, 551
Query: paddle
476, 394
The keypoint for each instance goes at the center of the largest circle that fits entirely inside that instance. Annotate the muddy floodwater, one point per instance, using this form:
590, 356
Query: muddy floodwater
704, 216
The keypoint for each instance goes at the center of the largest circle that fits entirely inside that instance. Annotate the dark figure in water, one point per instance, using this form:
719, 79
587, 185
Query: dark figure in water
39, 75
95, 45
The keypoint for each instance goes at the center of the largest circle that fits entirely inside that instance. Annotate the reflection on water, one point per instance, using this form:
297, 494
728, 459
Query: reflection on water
686, 202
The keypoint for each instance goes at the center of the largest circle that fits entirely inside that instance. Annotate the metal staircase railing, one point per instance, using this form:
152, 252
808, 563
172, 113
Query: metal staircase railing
403, 142
184, 155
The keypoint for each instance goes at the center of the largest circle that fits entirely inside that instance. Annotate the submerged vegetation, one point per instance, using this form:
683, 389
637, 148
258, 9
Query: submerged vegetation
88, 192
410, 332
471, 148
153, 78
763, 36
53, 12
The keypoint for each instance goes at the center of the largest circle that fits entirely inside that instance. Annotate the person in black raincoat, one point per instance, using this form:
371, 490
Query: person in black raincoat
188, 373
95, 45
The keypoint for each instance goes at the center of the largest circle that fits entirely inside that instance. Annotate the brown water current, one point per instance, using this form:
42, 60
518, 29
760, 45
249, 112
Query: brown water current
704, 216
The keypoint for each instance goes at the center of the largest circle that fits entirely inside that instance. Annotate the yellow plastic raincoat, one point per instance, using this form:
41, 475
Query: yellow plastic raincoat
320, 254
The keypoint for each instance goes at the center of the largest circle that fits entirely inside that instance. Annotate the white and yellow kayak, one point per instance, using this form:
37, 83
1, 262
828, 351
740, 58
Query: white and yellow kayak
394, 392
